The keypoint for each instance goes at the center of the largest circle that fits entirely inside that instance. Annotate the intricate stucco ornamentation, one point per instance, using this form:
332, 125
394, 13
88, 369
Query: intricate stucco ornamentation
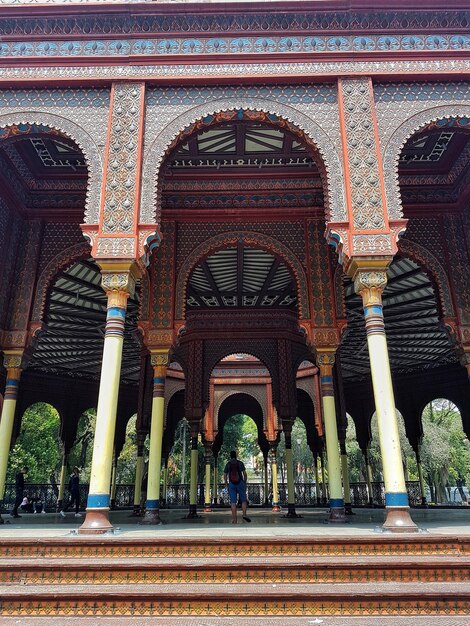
143, 72
69, 112
61, 261
372, 244
257, 392
432, 266
115, 247
122, 159
403, 110
251, 239
370, 285
364, 175
319, 125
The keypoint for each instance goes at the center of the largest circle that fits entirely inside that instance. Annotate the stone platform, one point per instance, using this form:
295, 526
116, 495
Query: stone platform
207, 572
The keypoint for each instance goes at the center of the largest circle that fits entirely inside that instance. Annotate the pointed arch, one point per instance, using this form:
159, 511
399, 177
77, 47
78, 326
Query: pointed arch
305, 127
83, 140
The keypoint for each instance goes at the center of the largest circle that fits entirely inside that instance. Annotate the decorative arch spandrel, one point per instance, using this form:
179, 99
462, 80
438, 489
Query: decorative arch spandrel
177, 120
254, 240
75, 132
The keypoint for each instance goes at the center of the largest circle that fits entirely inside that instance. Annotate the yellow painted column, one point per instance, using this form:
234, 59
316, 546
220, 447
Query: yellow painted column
325, 361
193, 477
207, 482
275, 486
62, 478
215, 492
266, 479
139, 470
97, 512
165, 480
324, 490
152, 509
370, 284
290, 477
345, 473
370, 492
317, 478
113, 481
12, 362
422, 486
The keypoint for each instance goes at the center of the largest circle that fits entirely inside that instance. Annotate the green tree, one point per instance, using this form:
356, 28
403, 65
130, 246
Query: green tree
81, 452
354, 453
128, 457
37, 445
240, 434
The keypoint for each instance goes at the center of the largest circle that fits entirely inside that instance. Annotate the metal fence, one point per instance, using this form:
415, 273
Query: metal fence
178, 495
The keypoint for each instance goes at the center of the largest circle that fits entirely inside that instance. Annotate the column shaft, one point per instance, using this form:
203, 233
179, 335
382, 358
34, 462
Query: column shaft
370, 286
97, 516
113, 481
275, 503
139, 470
421, 479
346, 486
62, 477
290, 478
215, 488
7, 420
152, 508
326, 361
207, 484
317, 478
193, 479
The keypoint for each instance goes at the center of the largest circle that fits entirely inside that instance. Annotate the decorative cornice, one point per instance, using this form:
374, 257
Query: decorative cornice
457, 67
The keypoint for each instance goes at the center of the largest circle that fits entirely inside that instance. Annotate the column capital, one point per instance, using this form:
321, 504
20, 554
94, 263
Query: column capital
119, 277
13, 362
160, 359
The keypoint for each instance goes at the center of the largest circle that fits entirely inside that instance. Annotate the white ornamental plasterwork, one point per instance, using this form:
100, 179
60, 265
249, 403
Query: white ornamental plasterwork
91, 151
115, 247
455, 67
372, 244
122, 162
318, 121
397, 122
364, 176
222, 392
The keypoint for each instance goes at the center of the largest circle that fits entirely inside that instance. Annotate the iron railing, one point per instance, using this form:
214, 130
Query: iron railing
178, 495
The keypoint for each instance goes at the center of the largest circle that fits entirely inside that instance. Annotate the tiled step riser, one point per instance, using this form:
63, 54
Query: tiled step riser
229, 550
228, 575
346, 606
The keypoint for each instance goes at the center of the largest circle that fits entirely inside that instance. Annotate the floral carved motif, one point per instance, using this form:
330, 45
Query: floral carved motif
171, 122
364, 175
90, 117
123, 164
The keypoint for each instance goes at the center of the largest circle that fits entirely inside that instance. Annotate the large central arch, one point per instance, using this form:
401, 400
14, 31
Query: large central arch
309, 130
252, 239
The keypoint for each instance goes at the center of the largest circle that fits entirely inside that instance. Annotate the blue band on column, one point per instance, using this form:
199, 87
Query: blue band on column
115, 311
158, 381
375, 309
152, 504
397, 499
98, 501
336, 503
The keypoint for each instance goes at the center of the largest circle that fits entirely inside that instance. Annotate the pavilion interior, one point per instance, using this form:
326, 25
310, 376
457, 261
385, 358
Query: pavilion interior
240, 170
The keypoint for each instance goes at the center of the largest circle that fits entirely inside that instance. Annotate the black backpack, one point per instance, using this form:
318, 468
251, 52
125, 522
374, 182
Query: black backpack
234, 472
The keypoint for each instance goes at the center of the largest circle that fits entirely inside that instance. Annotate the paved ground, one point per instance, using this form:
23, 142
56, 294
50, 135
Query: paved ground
366, 522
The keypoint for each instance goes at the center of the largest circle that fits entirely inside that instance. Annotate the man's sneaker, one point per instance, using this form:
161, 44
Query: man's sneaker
78, 514
62, 513
43, 512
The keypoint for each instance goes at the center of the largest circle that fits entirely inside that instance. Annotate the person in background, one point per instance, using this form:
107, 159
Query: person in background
19, 490
235, 478
74, 489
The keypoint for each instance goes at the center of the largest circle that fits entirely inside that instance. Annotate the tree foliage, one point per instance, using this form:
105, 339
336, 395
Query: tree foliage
37, 445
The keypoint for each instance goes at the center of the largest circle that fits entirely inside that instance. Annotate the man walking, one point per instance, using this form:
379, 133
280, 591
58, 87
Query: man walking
235, 479
19, 490
74, 489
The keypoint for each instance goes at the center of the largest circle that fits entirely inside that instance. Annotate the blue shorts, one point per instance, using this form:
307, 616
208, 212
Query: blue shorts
234, 490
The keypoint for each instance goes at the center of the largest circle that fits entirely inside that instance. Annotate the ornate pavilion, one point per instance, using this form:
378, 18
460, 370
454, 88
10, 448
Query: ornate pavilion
186, 182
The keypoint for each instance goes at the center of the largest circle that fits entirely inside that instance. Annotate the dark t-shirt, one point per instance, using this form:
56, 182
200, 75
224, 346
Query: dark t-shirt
241, 468
19, 481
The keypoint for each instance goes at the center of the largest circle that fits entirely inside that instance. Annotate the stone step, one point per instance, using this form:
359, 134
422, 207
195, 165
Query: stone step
235, 570
117, 547
255, 599
309, 620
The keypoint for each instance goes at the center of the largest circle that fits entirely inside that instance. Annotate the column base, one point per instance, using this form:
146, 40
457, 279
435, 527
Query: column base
337, 515
136, 512
59, 505
192, 512
2, 521
207, 508
398, 520
276, 508
424, 502
151, 518
113, 505
96, 522
348, 509
291, 513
